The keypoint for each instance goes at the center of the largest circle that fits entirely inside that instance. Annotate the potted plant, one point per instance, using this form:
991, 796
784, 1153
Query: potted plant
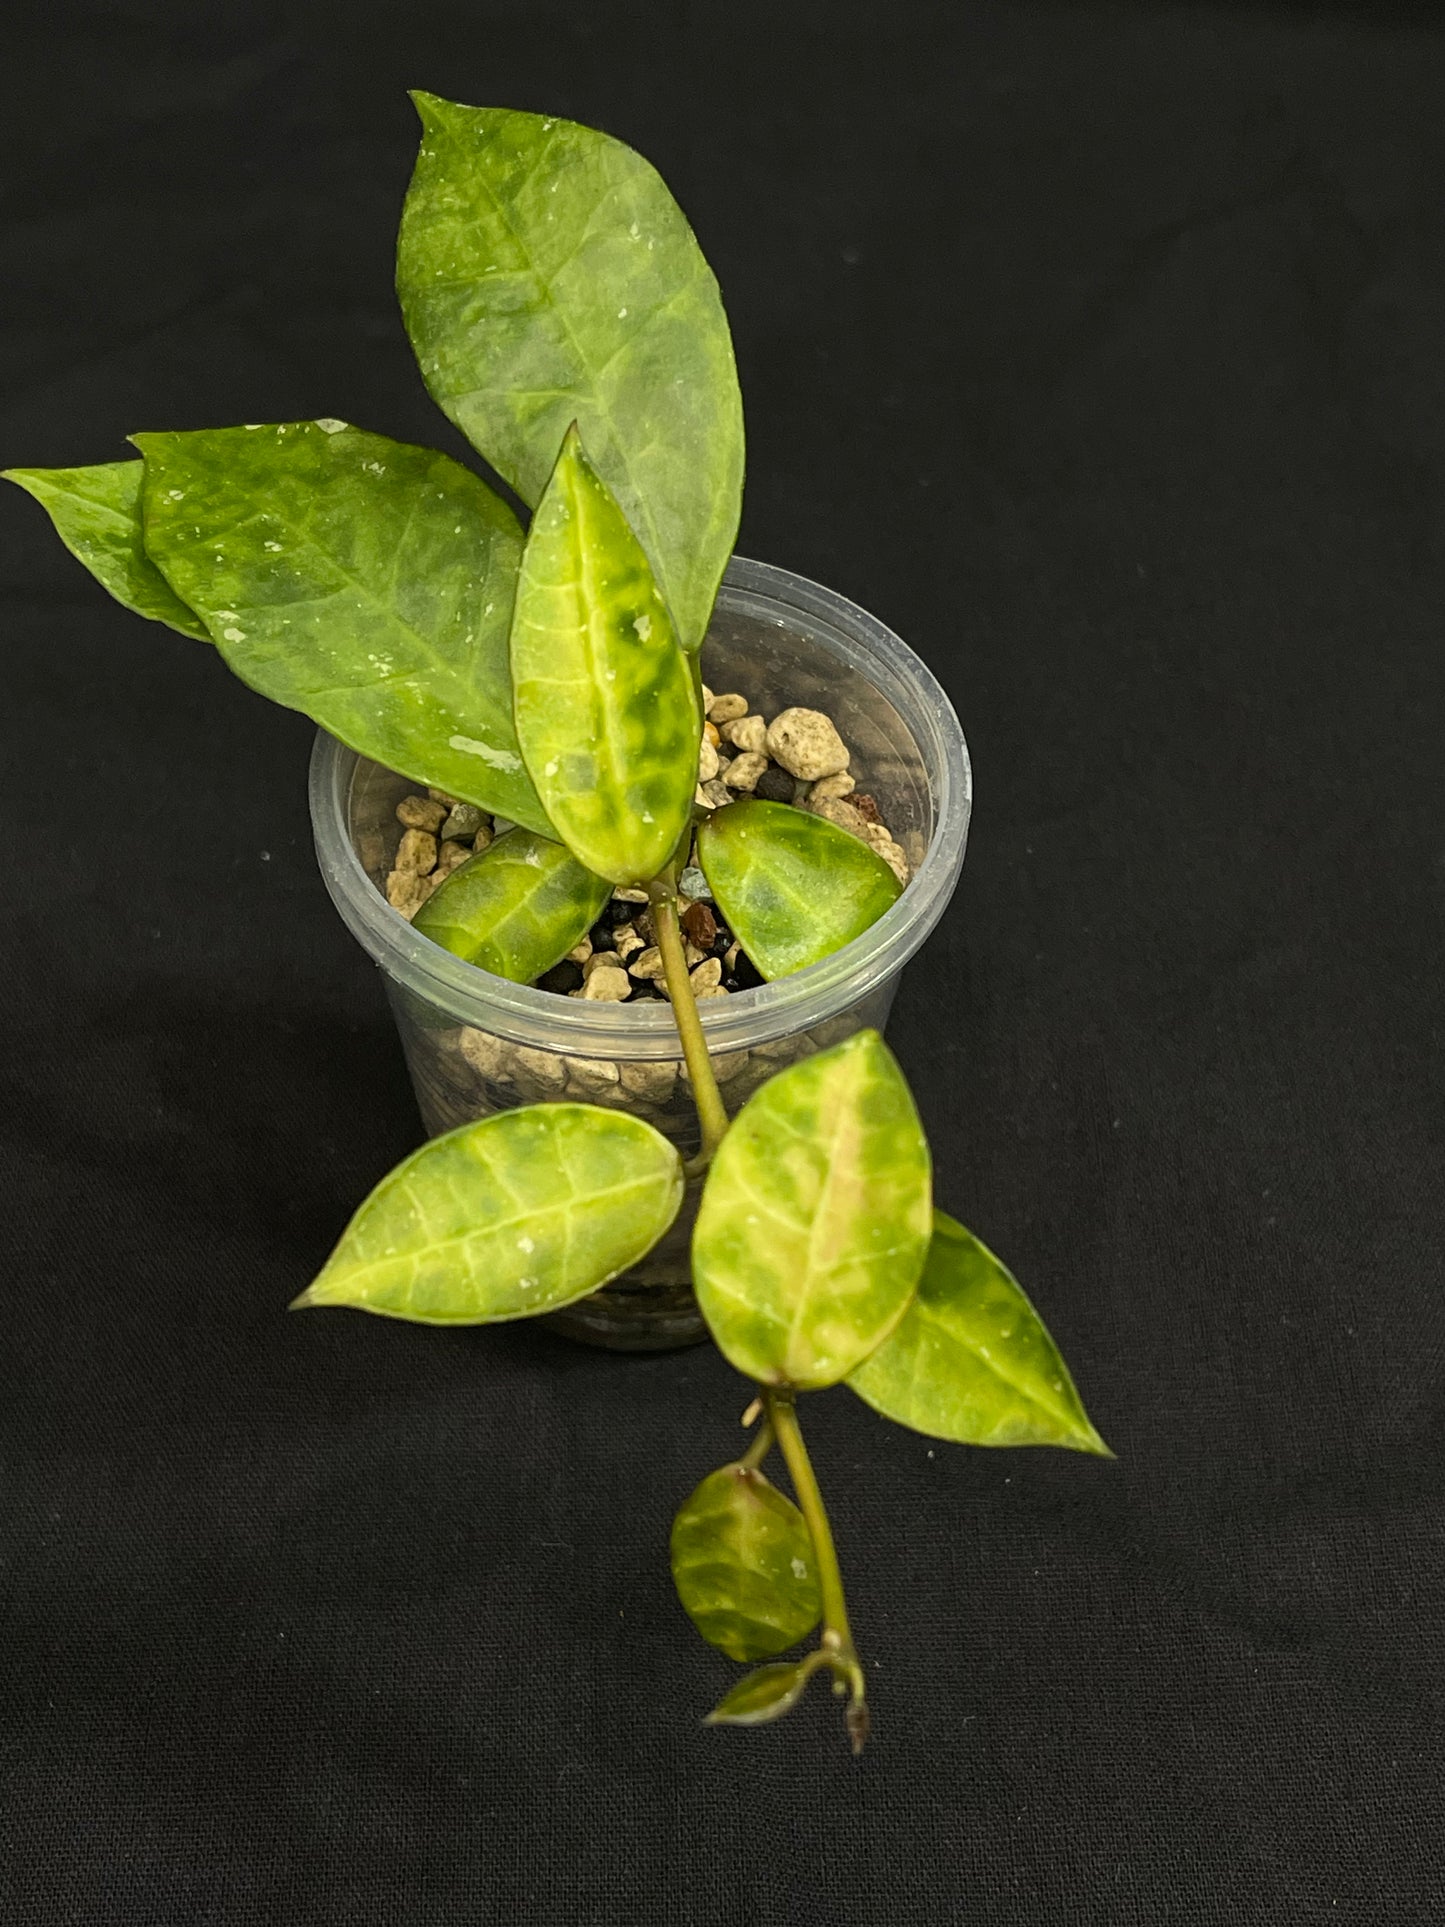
640, 933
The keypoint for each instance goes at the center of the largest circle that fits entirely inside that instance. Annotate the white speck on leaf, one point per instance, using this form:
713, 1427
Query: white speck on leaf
498, 758
643, 625
800, 1568
524, 1243
550, 769
233, 635
274, 547
327, 422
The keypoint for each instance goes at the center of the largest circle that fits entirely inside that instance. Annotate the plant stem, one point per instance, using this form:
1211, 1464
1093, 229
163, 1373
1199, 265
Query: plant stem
759, 1449
711, 1112
837, 1634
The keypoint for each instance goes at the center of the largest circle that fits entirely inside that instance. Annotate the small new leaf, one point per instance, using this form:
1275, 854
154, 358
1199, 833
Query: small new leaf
742, 1562
815, 1217
97, 515
971, 1361
764, 1694
547, 276
516, 908
362, 581
793, 887
606, 705
507, 1217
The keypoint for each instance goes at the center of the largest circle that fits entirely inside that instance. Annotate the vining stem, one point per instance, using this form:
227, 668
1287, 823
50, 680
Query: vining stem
711, 1112
837, 1635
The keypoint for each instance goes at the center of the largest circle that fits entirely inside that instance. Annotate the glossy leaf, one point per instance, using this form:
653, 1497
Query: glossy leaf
516, 1214
606, 705
547, 276
793, 887
815, 1217
764, 1694
97, 515
362, 581
516, 908
742, 1562
971, 1360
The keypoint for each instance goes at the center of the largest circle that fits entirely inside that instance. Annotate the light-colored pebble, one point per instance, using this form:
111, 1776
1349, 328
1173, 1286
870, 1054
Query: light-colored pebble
599, 960
501, 824
465, 820
709, 990
836, 809
421, 813
707, 762
593, 1076
709, 730
707, 699
743, 771
488, 1056
444, 797
652, 1082
714, 794
542, 1070
730, 1065
707, 974
726, 709
748, 732
693, 883
609, 985
730, 957
896, 859
627, 940
483, 838
875, 833
451, 856
648, 966
840, 783
406, 891
417, 851
630, 895
805, 742
692, 955
580, 952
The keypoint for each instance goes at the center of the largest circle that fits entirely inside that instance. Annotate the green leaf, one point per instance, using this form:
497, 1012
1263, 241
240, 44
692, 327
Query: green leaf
742, 1562
515, 909
362, 581
516, 1214
815, 1217
547, 276
764, 1694
971, 1360
97, 515
793, 887
606, 704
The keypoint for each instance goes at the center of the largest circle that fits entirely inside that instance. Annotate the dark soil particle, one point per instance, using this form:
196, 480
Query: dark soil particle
774, 785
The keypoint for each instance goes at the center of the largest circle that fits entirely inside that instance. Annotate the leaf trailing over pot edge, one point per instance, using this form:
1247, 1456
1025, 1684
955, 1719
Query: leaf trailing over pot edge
547, 276
516, 1214
516, 908
97, 515
970, 1359
793, 887
815, 1217
365, 582
606, 705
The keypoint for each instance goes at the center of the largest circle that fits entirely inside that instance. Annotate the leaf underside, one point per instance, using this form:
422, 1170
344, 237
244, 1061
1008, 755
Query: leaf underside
365, 582
793, 887
763, 1695
971, 1359
815, 1217
546, 276
507, 1217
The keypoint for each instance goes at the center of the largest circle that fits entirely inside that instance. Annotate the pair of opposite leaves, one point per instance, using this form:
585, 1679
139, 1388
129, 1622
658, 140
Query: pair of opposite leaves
817, 1254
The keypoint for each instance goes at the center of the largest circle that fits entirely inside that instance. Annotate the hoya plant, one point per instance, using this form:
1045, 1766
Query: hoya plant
565, 320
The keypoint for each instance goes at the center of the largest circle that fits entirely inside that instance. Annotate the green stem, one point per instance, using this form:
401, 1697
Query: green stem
759, 1449
711, 1112
837, 1634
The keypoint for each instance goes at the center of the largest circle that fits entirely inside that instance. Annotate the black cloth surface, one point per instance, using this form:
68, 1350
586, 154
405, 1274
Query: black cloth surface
1099, 351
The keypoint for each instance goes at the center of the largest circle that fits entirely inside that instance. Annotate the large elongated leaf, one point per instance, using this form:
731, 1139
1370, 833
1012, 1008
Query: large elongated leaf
742, 1562
516, 908
97, 515
547, 276
971, 1360
606, 703
507, 1217
793, 887
815, 1217
363, 581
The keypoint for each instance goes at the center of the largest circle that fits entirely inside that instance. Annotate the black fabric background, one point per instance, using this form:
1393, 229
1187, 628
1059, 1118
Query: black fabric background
1099, 351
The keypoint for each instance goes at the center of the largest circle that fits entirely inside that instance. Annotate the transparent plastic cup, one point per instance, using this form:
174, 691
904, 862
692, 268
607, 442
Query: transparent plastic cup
476, 1044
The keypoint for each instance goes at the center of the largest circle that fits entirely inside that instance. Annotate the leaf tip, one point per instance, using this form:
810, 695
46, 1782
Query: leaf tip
305, 1301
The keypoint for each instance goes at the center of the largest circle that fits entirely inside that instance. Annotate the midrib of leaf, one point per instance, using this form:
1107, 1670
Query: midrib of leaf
544, 287
586, 577
419, 1253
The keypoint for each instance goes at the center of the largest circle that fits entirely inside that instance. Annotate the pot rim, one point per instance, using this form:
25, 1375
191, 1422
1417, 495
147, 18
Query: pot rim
747, 1018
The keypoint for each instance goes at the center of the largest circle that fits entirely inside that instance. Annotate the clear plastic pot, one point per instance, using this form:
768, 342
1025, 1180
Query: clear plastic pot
476, 1044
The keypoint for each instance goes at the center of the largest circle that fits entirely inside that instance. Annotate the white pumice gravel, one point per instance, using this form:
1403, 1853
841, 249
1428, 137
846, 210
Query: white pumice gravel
726, 709
748, 732
807, 745
421, 813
